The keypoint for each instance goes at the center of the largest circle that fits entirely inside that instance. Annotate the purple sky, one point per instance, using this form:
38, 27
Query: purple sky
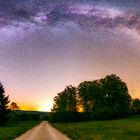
46, 45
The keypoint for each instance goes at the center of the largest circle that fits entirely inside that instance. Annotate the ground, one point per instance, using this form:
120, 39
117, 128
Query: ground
122, 129
43, 131
11, 131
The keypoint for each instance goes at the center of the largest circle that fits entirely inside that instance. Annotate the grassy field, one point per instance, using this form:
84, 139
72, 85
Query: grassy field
11, 131
123, 129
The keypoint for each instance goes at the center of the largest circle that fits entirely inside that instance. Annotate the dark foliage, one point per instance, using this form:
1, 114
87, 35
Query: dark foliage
115, 100
14, 106
136, 106
66, 100
4, 111
68, 116
107, 98
28, 117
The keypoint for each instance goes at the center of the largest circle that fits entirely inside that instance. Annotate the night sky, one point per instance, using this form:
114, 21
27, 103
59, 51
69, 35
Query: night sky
48, 44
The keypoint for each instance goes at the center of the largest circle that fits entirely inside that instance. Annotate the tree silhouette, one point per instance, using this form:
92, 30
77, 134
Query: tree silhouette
117, 101
4, 111
136, 105
96, 95
65, 101
84, 92
71, 98
60, 104
104, 98
14, 106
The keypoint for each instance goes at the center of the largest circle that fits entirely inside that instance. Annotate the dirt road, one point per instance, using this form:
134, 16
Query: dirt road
43, 131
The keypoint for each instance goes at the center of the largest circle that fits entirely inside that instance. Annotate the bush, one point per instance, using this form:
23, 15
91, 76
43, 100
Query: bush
55, 117
14, 117
69, 116
29, 117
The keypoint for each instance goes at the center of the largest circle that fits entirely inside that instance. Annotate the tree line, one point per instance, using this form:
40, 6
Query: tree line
105, 98
10, 112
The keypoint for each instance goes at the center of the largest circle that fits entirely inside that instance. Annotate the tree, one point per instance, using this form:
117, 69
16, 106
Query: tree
136, 105
96, 95
14, 106
65, 101
84, 92
100, 99
4, 111
117, 101
60, 102
71, 98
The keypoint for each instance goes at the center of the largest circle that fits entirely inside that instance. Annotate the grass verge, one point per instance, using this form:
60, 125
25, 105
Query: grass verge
11, 131
122, 129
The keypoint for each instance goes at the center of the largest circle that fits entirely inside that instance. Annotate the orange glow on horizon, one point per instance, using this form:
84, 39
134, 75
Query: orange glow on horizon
41, 106
45, 106
28, 107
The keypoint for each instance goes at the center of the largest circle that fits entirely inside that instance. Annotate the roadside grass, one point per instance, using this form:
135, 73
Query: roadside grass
122, 129
11, 131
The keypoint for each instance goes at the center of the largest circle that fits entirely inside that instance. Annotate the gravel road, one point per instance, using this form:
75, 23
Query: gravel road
43, 131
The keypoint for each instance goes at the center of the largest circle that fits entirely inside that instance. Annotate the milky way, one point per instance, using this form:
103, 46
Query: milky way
48, 44
85, 14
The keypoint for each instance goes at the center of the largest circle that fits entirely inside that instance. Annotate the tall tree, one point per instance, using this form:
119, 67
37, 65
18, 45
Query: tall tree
60, 102
96, 95
84, 92
71, 98
65, 101
4, 111
117, 100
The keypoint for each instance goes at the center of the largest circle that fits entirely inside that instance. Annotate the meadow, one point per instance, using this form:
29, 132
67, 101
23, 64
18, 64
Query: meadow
11, 131
121, 129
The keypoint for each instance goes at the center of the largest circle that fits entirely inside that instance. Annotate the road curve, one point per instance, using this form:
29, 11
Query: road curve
43, 131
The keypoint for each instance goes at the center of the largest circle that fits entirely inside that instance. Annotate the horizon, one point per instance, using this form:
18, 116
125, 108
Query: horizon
47, 45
